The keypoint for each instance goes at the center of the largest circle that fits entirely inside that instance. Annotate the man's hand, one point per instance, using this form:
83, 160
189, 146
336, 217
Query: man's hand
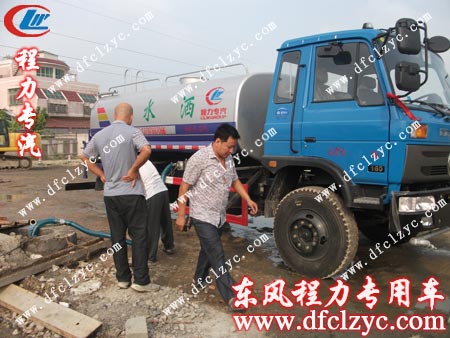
131, 176
180, 222
93, 167
253, 206
237, 185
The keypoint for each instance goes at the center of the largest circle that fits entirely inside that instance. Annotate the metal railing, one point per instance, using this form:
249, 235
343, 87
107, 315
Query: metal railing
198, 71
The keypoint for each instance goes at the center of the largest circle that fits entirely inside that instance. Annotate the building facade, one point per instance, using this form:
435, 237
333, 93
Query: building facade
67, 101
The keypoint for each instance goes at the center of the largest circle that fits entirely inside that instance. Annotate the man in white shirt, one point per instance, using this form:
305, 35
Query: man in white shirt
158, 211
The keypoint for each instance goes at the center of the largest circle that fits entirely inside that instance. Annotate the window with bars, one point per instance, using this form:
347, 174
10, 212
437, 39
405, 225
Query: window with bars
12, 93
56, 108
45, 72
59, 73
86, 110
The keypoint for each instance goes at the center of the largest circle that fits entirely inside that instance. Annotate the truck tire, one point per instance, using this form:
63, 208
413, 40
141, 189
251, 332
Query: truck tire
315, 239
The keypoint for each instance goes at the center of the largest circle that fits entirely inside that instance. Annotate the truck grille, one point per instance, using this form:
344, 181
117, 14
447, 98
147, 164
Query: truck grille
426, 164
434, 170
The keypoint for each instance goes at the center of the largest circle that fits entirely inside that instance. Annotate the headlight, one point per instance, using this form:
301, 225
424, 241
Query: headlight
415, 204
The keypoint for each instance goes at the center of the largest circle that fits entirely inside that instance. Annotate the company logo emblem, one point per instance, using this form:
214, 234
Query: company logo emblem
213, 97
31, 21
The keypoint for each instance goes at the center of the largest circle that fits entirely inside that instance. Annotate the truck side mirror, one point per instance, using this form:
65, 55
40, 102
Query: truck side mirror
407, 76
411, 38
438, 44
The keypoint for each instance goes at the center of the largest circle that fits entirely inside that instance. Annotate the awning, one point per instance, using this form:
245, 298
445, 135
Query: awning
40, 94
71, 96
67, 122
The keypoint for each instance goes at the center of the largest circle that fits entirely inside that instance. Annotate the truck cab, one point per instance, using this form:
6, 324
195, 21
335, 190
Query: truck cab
363, 126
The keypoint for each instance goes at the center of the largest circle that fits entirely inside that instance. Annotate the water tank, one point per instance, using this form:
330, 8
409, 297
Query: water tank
184, 117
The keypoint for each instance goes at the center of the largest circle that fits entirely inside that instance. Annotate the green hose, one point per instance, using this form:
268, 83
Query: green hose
35, 228
166, 171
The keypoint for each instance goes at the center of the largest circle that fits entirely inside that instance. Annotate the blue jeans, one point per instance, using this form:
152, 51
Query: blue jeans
211, 255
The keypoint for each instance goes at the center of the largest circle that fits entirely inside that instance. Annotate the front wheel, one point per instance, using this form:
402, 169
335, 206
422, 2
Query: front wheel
318, 239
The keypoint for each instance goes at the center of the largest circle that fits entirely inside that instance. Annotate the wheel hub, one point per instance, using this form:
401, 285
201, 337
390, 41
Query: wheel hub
307, 233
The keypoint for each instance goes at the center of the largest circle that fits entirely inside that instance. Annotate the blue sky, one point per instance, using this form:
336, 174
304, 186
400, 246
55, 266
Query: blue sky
186, 36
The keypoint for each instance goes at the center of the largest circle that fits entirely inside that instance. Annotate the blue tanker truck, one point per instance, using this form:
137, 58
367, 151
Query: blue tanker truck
351, 132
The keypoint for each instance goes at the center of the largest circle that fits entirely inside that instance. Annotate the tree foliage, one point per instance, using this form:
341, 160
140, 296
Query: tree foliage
39, 122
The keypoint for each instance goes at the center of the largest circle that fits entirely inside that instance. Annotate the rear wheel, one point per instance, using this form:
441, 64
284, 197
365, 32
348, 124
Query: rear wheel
316, 239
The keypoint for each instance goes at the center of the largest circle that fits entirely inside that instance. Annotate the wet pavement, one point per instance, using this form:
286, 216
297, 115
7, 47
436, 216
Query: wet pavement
415, 263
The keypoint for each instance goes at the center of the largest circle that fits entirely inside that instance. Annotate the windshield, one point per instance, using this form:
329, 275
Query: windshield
437, 88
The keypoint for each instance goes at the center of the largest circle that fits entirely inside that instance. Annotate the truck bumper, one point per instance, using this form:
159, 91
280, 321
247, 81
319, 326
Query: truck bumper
436, 218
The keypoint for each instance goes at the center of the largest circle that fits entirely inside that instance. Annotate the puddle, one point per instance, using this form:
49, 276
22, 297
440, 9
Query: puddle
442, 306
257, 226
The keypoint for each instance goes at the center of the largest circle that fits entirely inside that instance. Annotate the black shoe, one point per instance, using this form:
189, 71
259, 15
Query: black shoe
169, 251
152, 260
234, 308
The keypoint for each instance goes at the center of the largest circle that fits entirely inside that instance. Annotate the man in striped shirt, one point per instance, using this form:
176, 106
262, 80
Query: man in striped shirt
210, 173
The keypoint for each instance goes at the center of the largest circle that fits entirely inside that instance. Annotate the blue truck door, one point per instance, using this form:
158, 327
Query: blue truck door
287, 86
346, 119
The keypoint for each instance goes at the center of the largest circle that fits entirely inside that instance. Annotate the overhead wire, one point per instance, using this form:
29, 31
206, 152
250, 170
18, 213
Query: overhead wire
197, 44
130, 50
97, 62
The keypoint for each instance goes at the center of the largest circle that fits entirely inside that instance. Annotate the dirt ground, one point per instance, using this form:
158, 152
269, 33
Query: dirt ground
205, 314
